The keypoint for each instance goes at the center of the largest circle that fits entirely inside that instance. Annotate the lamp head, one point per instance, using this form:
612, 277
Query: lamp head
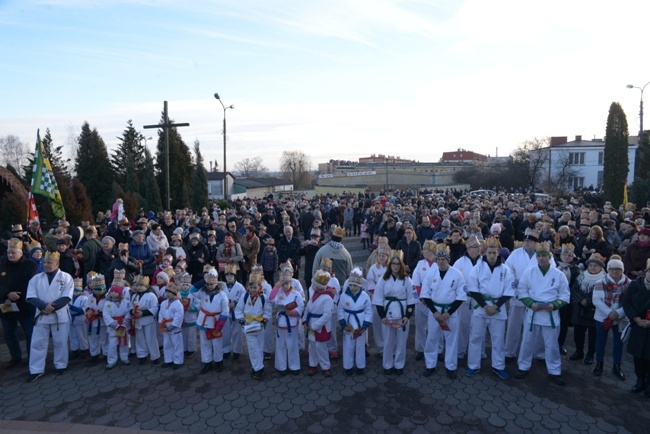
629, 86
216, 95
232, 106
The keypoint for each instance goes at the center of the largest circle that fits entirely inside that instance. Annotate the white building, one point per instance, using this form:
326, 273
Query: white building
578, 163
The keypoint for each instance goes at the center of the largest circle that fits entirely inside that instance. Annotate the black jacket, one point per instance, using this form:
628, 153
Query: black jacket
14, 277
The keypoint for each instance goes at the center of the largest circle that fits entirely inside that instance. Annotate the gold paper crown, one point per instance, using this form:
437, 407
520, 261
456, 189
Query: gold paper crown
255, 279
176, 237
356, 277
472, 241
141, 280
119, 274
492, 242
518, 244
430, 245
212, 232
91, 276
382, 240
443, 251
339, 232
568, 248
320, 279
52, 256
326, 263
172, 287
383, 249
99, 280
169, 271
543, 247
257, 269
185, 278
16, 228
78, 282
207, 268
286, 267
396, 254
122, 246
15, 243
531, 234
231, 269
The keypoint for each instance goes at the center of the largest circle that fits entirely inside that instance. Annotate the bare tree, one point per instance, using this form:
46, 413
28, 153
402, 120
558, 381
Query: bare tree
251, 168
563, 171
14, 152
295, 166
532, 157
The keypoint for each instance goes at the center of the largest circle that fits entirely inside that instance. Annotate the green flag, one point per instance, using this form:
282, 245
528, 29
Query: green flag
43, 181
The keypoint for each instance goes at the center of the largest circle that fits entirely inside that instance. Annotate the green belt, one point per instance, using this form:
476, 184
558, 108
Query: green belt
532, 318
401, 306
443, 307
488, 298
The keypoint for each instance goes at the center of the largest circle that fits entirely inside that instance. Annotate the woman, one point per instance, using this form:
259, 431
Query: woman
596, 244
456, 245
411, 248
250, 247
582, 316
395, 300
568, 265
608, 294
229, 253
636, 304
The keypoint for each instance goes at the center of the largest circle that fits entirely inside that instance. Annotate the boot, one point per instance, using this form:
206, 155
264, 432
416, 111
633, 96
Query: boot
577, 355
617, 372
639, 386
206, 367
598, 370
219, 367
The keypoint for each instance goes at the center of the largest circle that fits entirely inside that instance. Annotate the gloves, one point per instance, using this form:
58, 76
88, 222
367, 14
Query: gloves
242, 321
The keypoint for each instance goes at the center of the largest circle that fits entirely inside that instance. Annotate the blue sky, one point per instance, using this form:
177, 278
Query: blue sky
336, 79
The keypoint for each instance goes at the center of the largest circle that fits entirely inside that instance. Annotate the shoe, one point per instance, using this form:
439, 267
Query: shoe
639, 386
126, 362
334, 355
110, 366
12, 363
283, 373
419, 356
74, 355
189, 354
34, 377
312, 371
429, 372
451, 374
598, 370
359, 371
388, 371
577, 355
294, 373
257, 375
226, 356
219, 367
167, 365
501, 373
206, 367
92, 361
156, 362
142, 361
399, 371
520, 375
349, 372
177, 367
61, 371
235, 356
589, 359
267, 356
471, 372
327, 373
617, 372
563, 350
557, 379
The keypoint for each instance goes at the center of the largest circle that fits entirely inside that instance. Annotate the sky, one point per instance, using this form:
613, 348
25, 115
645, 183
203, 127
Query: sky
336, 79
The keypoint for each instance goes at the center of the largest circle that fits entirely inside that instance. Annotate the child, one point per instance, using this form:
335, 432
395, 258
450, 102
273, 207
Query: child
318, 322
171, 322
232, 338
326, 264
291, 303
177, 247
253, 313
355, 316
78, 331
145, 309
190, 314
36, 255
365, 236
270, 261
269, 344
97, 336
212, 303
117, 316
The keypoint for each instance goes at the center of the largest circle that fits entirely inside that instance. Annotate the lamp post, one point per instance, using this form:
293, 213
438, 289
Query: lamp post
145, 140
225, 180
631, 86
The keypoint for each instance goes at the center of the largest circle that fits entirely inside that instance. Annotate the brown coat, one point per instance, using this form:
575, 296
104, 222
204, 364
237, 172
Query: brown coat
250, 249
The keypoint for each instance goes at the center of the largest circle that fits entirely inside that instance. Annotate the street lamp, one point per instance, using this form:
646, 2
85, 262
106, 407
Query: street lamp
631, 86
145, 140
225, 180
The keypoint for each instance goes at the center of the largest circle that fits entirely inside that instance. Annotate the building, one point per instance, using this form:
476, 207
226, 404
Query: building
578, 163
257, 188
215, 184
461, 156
383, 159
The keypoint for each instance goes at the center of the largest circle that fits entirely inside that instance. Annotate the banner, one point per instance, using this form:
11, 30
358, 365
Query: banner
43, 181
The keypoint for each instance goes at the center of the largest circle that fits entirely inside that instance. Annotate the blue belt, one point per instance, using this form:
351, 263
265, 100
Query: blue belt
284, 314
355, 313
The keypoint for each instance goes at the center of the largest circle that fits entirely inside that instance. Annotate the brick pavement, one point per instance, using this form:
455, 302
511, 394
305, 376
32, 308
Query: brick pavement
128, 398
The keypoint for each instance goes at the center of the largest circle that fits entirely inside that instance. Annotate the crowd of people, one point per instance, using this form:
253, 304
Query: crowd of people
156, 288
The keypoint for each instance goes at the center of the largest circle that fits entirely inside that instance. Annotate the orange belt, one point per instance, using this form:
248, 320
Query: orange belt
165, 321
121, 339
207, 314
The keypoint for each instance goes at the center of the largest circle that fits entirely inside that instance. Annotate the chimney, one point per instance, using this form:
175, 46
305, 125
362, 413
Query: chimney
210, 165
556, 141
578, 138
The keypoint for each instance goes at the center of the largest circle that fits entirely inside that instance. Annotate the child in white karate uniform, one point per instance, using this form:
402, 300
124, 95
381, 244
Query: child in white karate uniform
253, 312
191, 312
212, 303
117, 316
318, 314
355, 316
97, 334
290, 304
232, 332
145, 309
170, 318
78, 325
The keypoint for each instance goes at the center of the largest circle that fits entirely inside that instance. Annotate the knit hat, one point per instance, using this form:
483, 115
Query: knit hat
117, 289
595, 258
108, 239
615, 262
443, 252
164, 276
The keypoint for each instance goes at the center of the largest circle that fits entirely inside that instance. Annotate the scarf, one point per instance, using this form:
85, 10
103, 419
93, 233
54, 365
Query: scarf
588, 280
614, 290
565, 268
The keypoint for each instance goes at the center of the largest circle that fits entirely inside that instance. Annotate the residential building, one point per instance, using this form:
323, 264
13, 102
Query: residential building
461, 156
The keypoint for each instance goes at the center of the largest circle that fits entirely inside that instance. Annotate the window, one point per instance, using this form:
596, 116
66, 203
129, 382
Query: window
576, 158
601, 177
601, 157
576, 182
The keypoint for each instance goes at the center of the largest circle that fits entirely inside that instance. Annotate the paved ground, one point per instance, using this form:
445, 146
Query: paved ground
128, 398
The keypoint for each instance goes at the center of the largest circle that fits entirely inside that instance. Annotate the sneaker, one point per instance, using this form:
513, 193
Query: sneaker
519, 375
156, 362
61, 371
34, 377
110, 366
327, 373
142, 361
334, 355
451, 374
388, 371
206, 367
471, 372
126, 362
501, 373
399, 371
349, 372
257, 375
167, 365
296, 372
429, 372
312, 371
557, 379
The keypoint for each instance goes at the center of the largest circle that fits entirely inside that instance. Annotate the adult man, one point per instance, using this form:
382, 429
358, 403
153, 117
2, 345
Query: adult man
289, 248
336, 251
90, 250
50, 292
15, 273
544, 290
490, 285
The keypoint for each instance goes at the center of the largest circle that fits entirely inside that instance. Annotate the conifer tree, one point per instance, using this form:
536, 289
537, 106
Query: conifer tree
93, 168
180, 167
199, 181
615, 164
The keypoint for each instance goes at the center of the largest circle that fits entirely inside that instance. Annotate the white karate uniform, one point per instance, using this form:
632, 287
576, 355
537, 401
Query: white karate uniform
170, 317
395, 338
492, 285
301, 328
97, 334
210, 311
269, 336
146, 328
332, 343
191, 312
318, 316
232, 332
542, 288
112, 313
373, 276
355, 310
286, 343
518, 261
254, 313
421, 309
465, 266
56, 323
443, 292
78, 324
